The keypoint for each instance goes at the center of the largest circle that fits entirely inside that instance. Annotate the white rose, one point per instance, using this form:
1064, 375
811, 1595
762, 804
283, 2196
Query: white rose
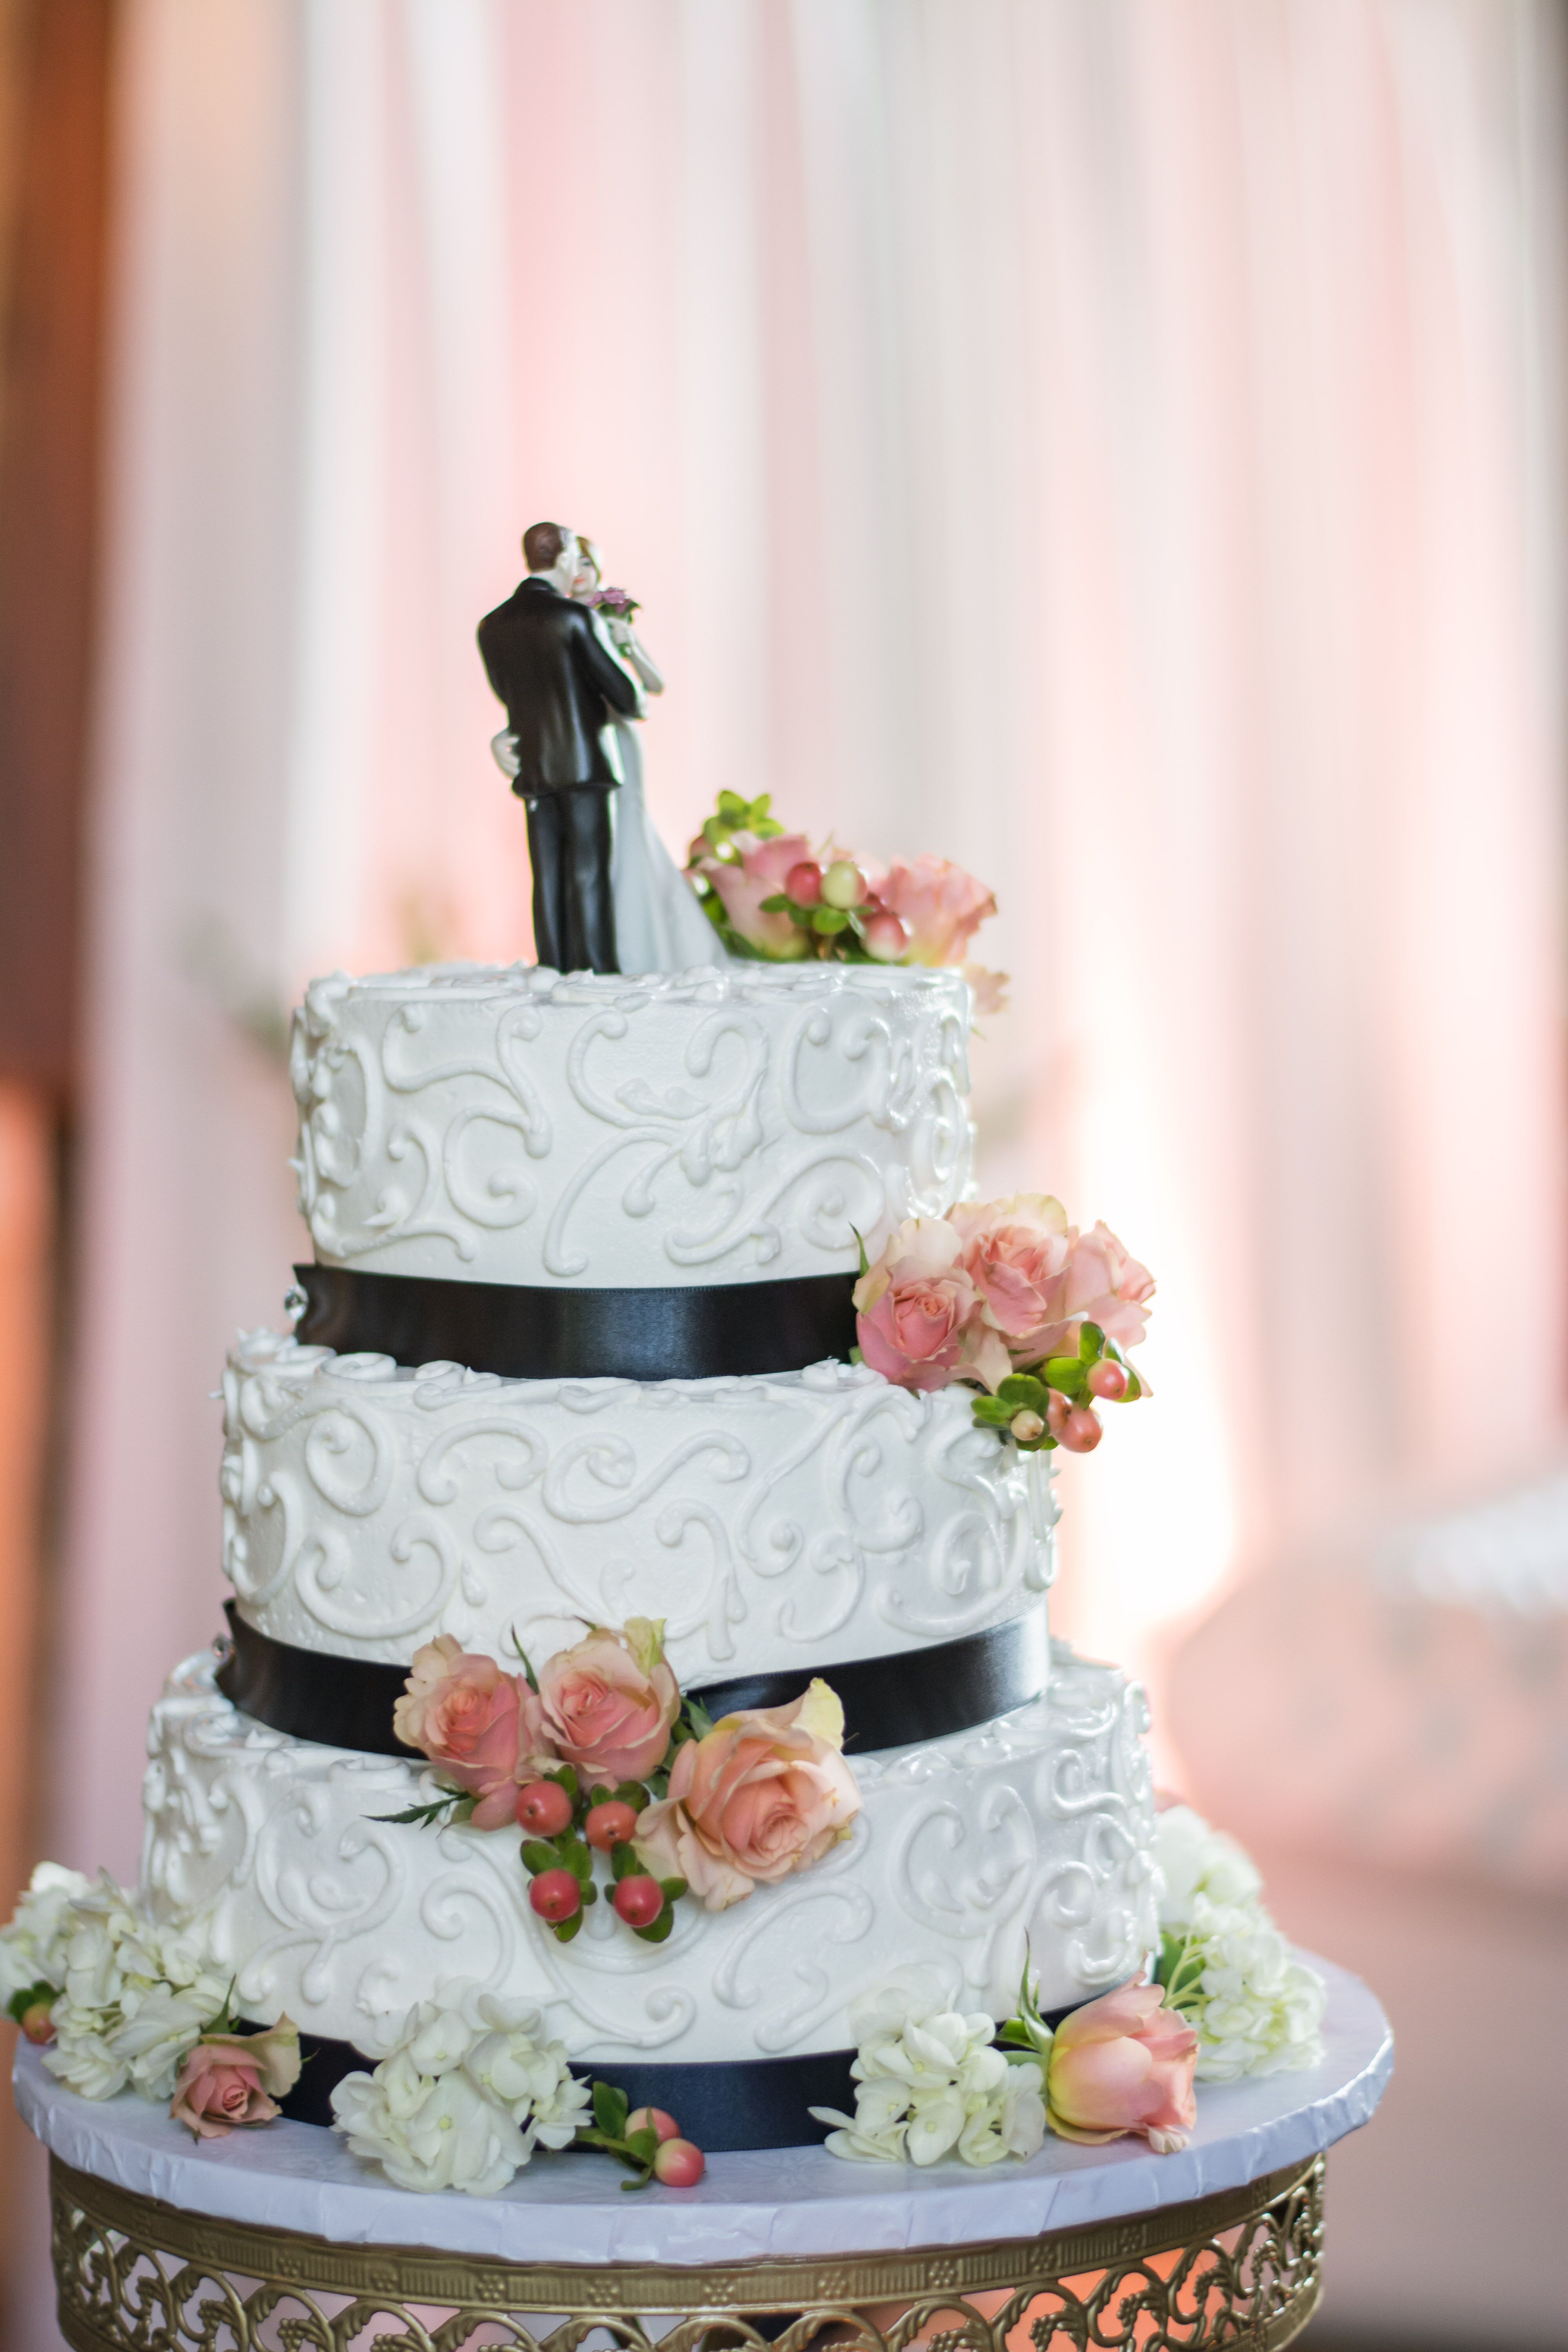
33, 1947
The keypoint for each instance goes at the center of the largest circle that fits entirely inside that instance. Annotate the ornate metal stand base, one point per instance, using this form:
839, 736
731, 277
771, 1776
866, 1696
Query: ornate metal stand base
1241, 2268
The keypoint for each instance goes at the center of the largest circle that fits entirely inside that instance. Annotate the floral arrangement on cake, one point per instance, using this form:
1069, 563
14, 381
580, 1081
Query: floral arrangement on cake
1009, 1297
1228, 1998
598, 1757
770, 894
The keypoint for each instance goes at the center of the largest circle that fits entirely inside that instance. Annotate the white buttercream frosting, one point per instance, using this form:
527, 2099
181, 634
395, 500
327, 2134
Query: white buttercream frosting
506, 1124
1037, 1829
772, 1523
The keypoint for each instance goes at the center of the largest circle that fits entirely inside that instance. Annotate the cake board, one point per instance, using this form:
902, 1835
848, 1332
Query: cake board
281, 2235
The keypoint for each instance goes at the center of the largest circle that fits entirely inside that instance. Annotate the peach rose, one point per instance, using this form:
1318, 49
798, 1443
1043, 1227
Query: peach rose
1107, 1286
609, 1702
1017, 1253
1124, 2063
767, 1792
916, 1305
940, 906
478, 1726
236, 2078
760, 875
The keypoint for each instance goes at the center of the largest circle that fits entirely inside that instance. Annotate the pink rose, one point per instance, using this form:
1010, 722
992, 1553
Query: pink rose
609, 1702
1108, 1288
1016, 1253
765, 1793
478, 1726
989, 988
236, 2078
760, 875
1124, 2063
940, 906
916, 1304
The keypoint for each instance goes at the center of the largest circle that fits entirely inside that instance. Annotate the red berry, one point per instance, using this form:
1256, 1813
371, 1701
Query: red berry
544, 1808
639, 1901
1107, 1380
556, 1895
1081, 1432
609, 1825
653, 2119
1057, 1408
803, 883
678, 2163
38, 2025
844, 884
886, 938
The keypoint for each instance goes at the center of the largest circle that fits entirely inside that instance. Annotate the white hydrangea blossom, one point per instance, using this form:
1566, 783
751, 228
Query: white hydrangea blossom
470, 2088
931, 2084
136, 1994
32, 1948
1225, 1966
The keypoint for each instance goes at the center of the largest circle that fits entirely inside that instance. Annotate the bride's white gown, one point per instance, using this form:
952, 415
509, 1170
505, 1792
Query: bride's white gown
660, 926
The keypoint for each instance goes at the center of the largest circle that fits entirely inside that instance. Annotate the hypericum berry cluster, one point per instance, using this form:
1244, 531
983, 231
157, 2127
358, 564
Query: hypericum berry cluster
647, 2140
567, 1826
1056, 1405
829, 901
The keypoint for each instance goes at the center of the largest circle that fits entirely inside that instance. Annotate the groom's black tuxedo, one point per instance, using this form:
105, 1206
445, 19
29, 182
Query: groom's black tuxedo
547, 662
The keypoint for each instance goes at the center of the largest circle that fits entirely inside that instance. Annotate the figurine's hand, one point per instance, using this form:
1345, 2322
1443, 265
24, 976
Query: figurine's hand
503, 748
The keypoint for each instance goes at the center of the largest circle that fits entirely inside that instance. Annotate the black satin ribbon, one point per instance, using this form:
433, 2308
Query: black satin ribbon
682, 1333
741, 2103
893, 1701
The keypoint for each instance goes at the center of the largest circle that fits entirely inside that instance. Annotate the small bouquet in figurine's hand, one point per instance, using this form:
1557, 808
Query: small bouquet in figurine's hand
772, 897
1008, 1296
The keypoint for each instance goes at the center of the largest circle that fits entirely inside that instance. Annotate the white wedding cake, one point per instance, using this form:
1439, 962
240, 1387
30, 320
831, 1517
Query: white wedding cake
533, 1200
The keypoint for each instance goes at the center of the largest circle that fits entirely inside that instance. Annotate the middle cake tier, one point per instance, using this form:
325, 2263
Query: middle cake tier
777, 1524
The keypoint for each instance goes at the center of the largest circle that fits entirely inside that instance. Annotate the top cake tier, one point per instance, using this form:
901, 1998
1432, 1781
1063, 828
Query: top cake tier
510, 1125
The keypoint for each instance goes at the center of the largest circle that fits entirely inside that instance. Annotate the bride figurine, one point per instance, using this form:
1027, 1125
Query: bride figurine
659, 926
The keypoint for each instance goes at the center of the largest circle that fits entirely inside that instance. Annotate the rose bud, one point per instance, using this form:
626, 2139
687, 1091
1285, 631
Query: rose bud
655, 2120
638, 1901
803, 883
1107, 1380
544, 1808
609, 1825
1026, 1426
1057, 1408
843, 884
1081, 1432
556, 1895
38, 2023
678, 2163
886, 938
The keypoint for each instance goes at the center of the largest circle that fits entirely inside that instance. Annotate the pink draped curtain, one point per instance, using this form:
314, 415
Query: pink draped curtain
1115, 444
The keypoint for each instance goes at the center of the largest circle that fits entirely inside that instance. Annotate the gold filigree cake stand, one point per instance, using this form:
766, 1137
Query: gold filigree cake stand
1241, 2268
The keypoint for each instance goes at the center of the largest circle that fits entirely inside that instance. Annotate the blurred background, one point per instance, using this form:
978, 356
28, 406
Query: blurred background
1117, 443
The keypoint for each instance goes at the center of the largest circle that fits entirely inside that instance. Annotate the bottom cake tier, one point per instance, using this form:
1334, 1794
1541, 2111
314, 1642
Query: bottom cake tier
1033, 1831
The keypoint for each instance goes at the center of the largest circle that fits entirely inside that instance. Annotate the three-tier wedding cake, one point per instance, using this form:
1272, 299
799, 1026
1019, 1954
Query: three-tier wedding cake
577, 1351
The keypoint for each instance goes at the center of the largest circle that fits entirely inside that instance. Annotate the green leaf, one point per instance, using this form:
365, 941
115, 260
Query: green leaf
642, 2145
1021, 1392
1067, 1374
779, 904
590, 1895
576, 1856
699, 1719
660, 1928
530, 1677
860, 1245
856, 1356
828, 921
19, 2005
1134, 1387
600, 1796
623, 1864
632, 1793
1090, 1344
539, 1857
566, 1929
611, 2108
643, 2178
567, 1778
673, 1888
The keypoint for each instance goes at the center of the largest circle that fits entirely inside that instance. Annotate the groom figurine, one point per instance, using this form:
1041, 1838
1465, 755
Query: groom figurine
548, 660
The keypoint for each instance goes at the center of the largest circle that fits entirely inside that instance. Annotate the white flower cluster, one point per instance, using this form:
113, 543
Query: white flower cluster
131, 1996
1225, 1965
931, 2084
465, 2095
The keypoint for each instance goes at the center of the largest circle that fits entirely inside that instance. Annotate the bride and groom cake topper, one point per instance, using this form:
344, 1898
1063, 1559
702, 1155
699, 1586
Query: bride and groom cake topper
563, 657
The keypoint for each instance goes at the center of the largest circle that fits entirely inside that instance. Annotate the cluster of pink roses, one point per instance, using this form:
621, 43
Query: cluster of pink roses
577, 1758
771, 894
999, 1287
